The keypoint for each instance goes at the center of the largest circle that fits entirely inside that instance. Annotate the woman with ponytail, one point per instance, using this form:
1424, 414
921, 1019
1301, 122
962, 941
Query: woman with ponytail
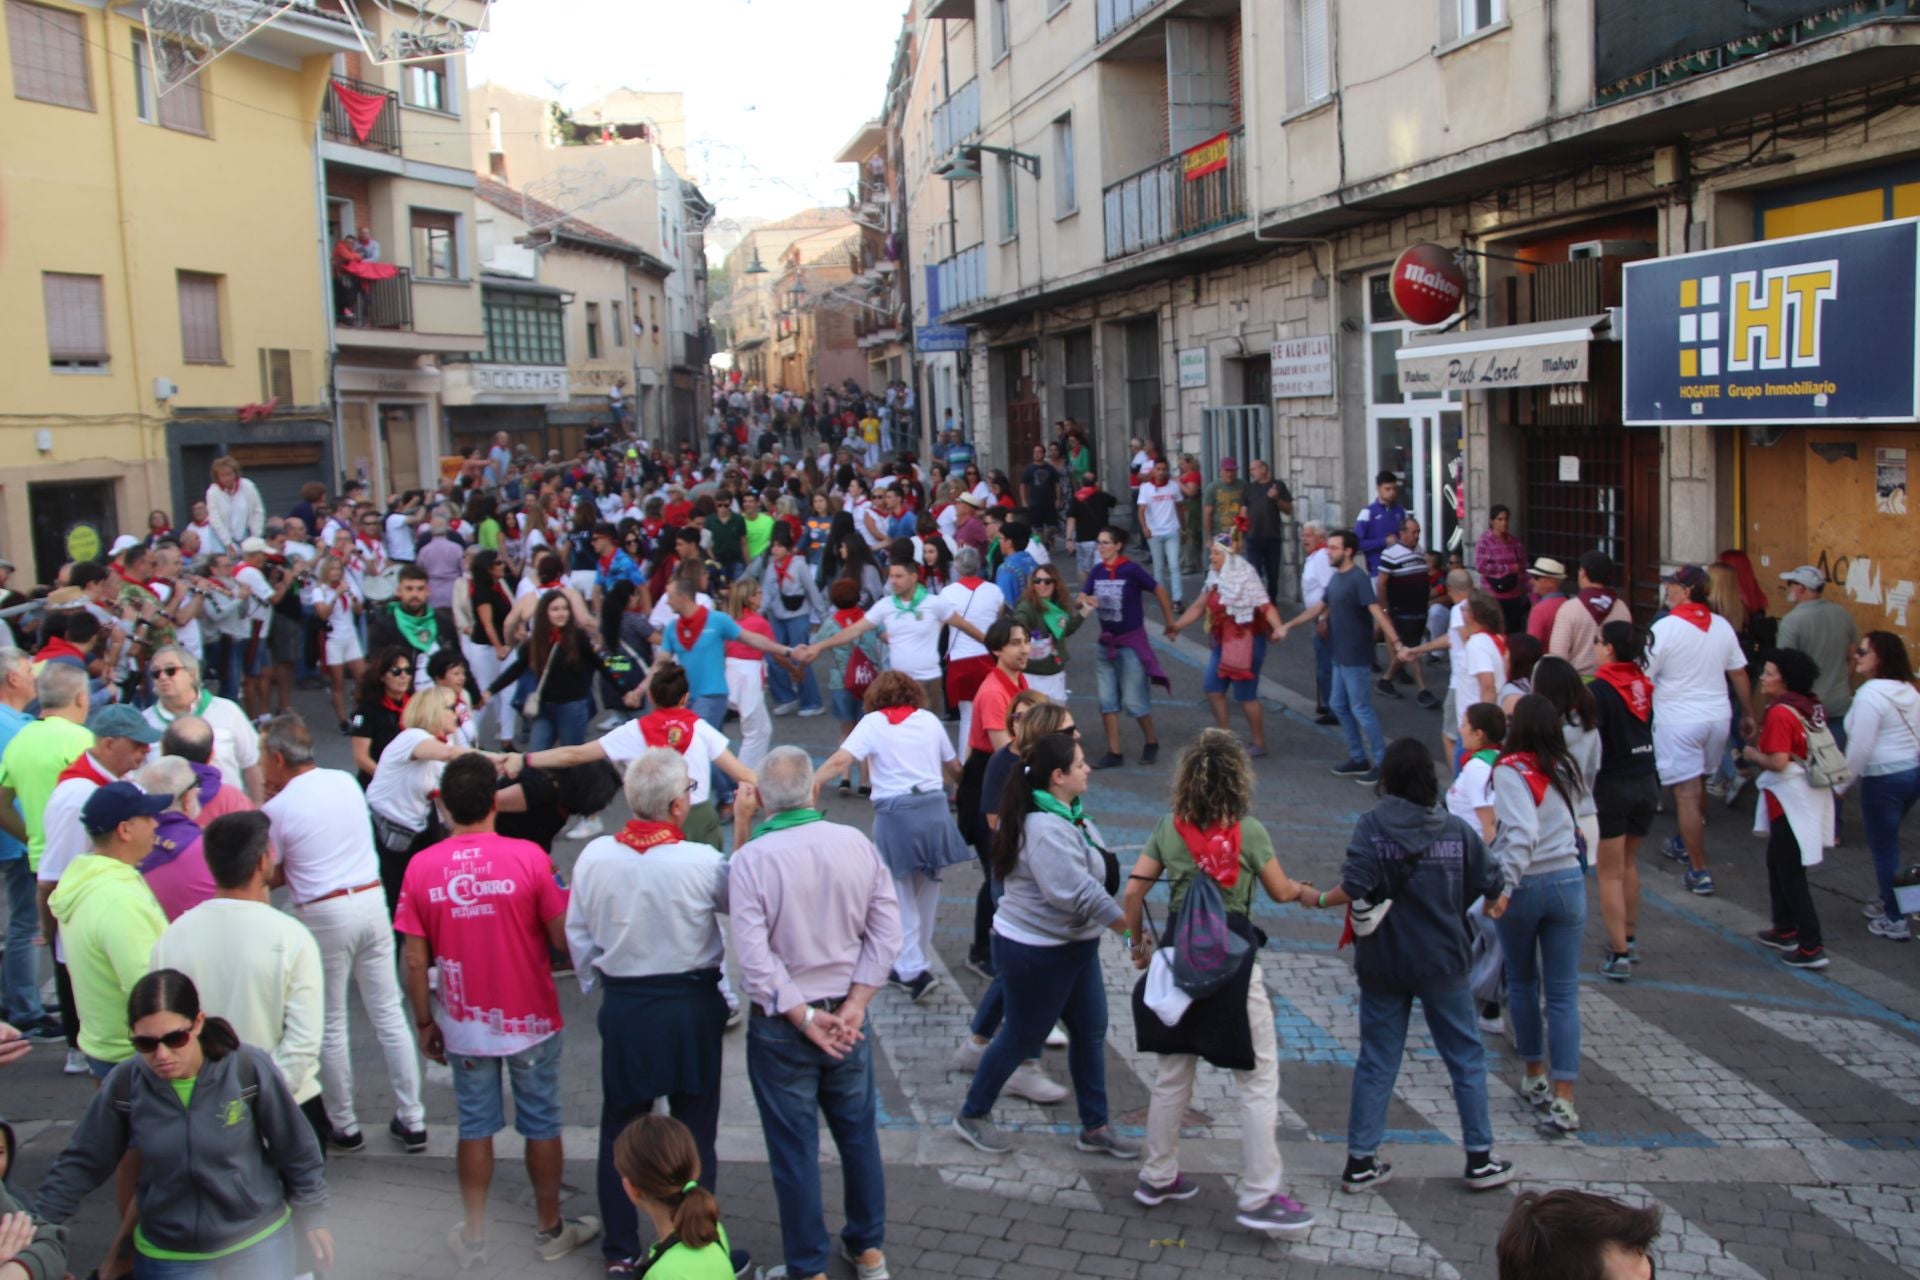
1626, 790
230, 1170
1058, 899
659, 1169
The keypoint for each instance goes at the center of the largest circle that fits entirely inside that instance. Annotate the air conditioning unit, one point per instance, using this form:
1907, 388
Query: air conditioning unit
1609, 249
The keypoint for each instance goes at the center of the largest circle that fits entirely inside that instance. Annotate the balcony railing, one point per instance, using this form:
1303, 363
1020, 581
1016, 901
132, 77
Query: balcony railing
962, 279
699, 348
336, 126
957, 119
1111, 15
1163, 203
382, 304
1644, 45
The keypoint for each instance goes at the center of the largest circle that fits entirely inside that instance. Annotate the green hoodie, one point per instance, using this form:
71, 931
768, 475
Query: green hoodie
109, 922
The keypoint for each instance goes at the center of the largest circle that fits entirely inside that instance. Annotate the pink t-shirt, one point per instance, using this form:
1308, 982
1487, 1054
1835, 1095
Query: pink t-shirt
759, 626
182, 881
482, 902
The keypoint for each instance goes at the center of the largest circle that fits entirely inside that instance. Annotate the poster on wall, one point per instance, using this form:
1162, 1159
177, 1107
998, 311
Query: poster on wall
1890, 481
1193, 368
1302, 367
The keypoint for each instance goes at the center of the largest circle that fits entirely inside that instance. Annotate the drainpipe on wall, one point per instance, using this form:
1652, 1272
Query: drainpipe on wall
325, 255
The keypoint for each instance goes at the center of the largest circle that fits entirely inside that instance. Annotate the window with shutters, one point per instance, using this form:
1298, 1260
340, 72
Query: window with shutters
200, 319
182, 108
1001, 23
436, 244
1009, 201
593, 331
76, 321
1309, 40
48, 49
1066, 190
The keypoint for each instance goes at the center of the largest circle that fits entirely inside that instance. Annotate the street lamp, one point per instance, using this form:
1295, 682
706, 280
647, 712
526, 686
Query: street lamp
963, 165
756, 267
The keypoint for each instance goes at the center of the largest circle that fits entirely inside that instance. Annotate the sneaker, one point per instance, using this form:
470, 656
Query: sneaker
1873, 910
1489, 1024
1537, 1090
76, 1064
1485, 1173
44, 1028
895, 980
1699, 882
565, 1238
413, 1141
586, 827
1562, 1116
967, 1056
1281, 1216
1324, 716
1892, 930
621, 1268
981, 965
1364, 1174
786, 708
1035, 1085
917, 989
1179, 1189
1111, 760
1426, 699
1801, 958
1104, 1141
846, 786
1675, 849
1778, 940
1351, 769
1633, 949
1388, 688
807, 713
467, 1254
741, 1261
982, 1134
1617, 966
1150, 753
1740, 783
1716, 788
735, 1016
1057, 1038
1369, 778
875, 1270
347, 1142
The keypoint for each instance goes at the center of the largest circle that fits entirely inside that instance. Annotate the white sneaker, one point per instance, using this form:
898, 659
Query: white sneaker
586, 827
1892, 930
967, 1056
1035, 1085
76, 1064
1057, 1038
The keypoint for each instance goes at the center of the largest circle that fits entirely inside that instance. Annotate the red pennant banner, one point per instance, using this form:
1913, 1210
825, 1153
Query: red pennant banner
362, 109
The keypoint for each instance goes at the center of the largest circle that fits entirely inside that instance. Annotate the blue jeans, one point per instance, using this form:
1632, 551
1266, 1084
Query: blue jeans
1243, 690
1122, 683
1352, 703
560, 724
1322, 669
1042, 986
712, 707
20, 970
1885, 799
793, 631
1165, 548
793, 1083
271, 1259
1547, 915
1383, 1039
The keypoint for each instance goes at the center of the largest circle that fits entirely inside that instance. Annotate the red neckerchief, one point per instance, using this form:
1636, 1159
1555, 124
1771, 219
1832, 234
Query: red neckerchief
59, 647
687, 630
606, 561
651, 528
972, 584
895, 715
782, 568
1113, 570
1631, 683
1696, 613
847, 617
398, 708
550, 586
1527, 765
1806, 708
154, 535
1598, 603
371, 541
641, 835
230, 488
1081, 495
1215, 849
670, 727
121, 574
83, 768
1499, 642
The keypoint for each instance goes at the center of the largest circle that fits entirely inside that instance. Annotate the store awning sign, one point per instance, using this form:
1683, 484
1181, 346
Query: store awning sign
1545, 354
1809, 330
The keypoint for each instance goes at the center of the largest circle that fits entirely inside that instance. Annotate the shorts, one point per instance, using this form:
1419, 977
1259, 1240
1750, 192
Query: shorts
98, 1068
535, 1078
847, 705
1625, 805
1243, 690
1686, 751
1412, 631
262, 654
1122, 682
342, 649
284, 639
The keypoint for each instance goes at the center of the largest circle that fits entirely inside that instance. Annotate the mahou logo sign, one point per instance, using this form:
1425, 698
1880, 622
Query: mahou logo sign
1427, 284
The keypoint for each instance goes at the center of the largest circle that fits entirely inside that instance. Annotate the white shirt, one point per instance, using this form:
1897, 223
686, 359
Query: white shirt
1472, 790
402, 787
901, 758
340, 621
1142, 463
304, 552
258, 591
631, 916
1038, 550
980, 606
1315, 574
1157, 505
624, 745
236, 744
188, 632
399, 537
913, 643
1689, 668
948, 521
66, 838
1480, 655
261, 969
210, 543
321, 830
662, 616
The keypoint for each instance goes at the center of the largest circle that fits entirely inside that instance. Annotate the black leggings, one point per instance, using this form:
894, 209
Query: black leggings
1792, 900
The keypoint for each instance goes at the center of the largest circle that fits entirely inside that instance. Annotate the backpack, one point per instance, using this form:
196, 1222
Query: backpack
860, 671
1207, 953
1826, 762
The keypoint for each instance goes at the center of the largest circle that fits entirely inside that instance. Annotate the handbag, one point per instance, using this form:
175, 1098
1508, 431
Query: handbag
530, 706
390, 837
860, 671
1236, 651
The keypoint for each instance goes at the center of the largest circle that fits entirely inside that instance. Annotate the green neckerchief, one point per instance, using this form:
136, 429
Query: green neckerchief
1047, 802
786, 818
423, 632
912, 606
200, 706
1053, 618
1490, 755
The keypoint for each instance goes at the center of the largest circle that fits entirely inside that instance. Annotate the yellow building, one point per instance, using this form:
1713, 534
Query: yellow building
166, 267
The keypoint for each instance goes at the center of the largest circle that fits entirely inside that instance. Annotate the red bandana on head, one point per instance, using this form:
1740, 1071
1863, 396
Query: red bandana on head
688, 629
642, 835
671, 727
1695, 612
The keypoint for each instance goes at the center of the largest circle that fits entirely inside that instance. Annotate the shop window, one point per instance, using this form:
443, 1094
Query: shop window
70, 522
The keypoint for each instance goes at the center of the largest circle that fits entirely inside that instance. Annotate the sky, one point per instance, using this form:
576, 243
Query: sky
774, 88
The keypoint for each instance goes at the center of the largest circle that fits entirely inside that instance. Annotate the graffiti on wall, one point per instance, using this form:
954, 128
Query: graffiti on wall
1865, 586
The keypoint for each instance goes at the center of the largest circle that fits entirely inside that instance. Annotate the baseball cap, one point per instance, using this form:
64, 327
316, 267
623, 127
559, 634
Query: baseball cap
250, 545
1686, 575
121, 543
116, 802
118, 720
1547, 567
1228, 464
1807, 576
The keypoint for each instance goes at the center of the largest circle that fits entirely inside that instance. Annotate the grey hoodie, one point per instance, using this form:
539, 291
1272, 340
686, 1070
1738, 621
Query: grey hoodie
1423, 944
1532, 839
212, 1173
1058, 887
46, 1257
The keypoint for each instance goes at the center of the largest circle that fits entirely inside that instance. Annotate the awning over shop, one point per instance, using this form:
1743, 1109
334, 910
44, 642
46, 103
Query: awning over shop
1547, 353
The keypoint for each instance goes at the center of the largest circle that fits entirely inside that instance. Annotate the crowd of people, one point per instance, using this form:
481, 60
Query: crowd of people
158, 788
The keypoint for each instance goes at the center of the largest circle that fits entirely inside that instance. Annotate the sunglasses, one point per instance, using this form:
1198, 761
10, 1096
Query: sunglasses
175, 1040
1042, 582
164, 672
399, 671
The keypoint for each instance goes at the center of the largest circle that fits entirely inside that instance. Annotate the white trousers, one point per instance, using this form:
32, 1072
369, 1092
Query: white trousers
1054, 686
919, 896
966, 726
485, 669
1259, 1109
356, 945
747, 694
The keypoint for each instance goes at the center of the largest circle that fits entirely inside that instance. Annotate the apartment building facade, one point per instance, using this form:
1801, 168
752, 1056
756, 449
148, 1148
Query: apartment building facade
756, 268
1187, 214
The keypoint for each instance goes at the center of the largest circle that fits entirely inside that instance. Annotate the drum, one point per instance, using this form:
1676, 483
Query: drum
381, 586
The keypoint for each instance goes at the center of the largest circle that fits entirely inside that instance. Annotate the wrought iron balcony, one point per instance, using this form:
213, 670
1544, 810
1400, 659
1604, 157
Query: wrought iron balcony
957, 119
380, 304
336, 125
1183, 195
